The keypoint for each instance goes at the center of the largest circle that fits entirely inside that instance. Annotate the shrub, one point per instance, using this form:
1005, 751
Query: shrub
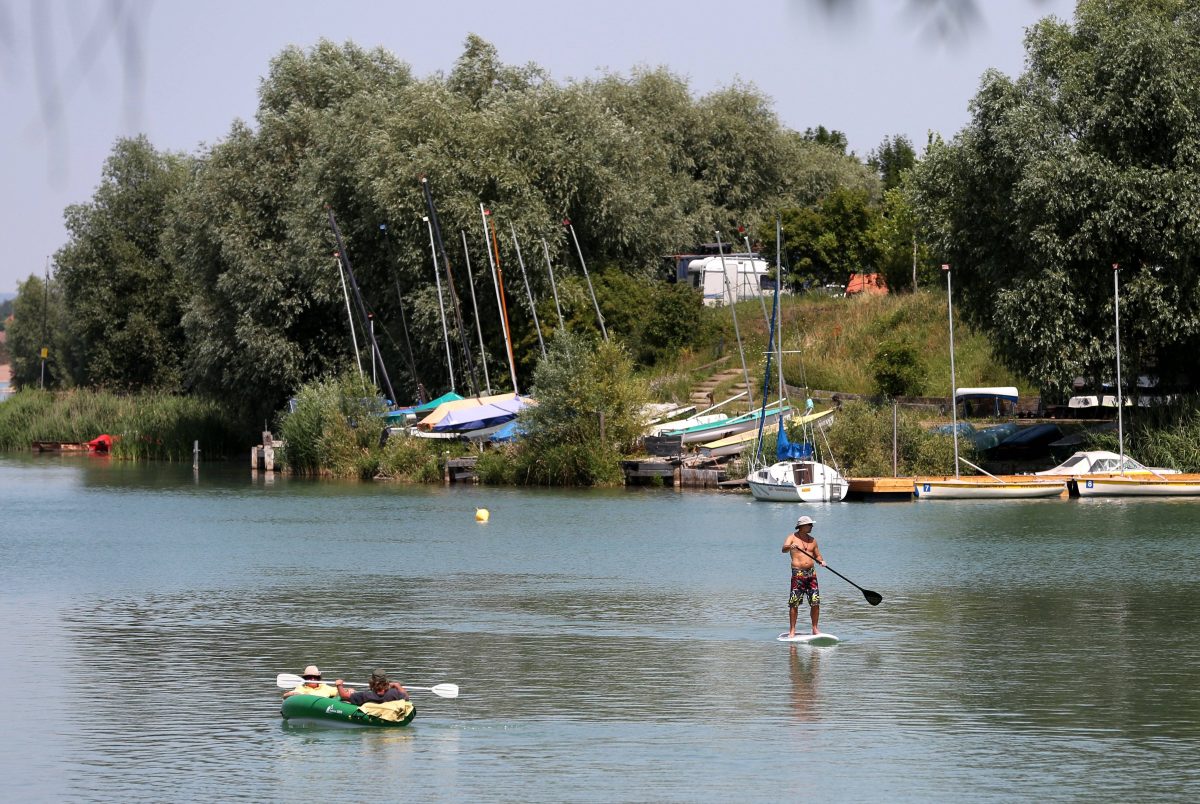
897, 370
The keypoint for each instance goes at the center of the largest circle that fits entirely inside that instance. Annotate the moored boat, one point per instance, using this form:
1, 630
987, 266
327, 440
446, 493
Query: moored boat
798, 481
315, 710
1138, 486
986, 488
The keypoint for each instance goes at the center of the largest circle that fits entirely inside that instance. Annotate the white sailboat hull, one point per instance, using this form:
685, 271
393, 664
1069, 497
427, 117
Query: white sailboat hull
970, 489
1137, 487
798, 481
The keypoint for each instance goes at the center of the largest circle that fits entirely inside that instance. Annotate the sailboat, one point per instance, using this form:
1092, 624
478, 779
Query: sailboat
988, 487
797, 475
1131, 483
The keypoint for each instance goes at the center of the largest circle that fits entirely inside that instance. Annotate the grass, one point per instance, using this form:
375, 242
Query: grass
829, 344
147, 426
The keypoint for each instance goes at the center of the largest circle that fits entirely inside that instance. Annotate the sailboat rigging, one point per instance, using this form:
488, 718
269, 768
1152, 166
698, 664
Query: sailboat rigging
487, 381
528, 291
450, 289
344, 259
489, 238
587, 276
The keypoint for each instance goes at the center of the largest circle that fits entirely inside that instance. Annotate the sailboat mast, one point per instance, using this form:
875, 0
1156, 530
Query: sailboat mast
528, 291
779, 303
489, 239
553, 286
412, 363
458, 319
362, 307
487, 381
588, 277
759, 293
953, 389
1120, 396
736, 330
441, 305
349, 315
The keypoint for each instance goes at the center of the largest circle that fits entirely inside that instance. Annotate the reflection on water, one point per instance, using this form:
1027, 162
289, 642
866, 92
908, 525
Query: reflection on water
607, 644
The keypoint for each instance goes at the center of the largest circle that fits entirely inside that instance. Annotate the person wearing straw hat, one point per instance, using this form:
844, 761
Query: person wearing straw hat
312, 685
805, 555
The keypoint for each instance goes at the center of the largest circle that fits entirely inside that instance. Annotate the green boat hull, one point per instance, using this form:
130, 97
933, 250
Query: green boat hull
313, 709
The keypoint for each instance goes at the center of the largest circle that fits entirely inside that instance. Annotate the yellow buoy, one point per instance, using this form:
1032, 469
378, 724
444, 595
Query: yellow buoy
481, 515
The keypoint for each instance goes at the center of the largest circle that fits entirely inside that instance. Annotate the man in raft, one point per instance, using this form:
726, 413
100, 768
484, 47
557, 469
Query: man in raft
312, 685
381, 690
805, 555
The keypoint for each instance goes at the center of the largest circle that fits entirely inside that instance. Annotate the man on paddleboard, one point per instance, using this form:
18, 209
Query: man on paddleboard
805, 555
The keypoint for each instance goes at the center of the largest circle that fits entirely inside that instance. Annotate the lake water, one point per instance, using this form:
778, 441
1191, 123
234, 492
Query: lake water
610, 645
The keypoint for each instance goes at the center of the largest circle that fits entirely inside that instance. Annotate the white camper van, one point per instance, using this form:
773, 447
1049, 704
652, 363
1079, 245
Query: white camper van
747, 275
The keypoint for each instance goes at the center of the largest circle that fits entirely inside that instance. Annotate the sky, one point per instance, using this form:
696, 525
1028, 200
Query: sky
79, 74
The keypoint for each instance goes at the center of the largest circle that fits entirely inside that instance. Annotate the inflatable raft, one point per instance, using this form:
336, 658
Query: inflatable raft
313, 709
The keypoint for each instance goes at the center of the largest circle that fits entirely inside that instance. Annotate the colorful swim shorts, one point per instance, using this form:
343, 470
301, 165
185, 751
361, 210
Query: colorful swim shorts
804, 584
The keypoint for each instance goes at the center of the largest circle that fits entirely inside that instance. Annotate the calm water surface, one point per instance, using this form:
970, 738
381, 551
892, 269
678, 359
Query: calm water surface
610, 645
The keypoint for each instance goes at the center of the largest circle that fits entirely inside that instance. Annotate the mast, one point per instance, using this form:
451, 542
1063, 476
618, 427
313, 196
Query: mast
588, 277
953, 390
758, 292
498, 284
767, 371
733, 309
349, 315
412, 363
441, 306
528, 291
474, 306
458, 319
553, 287
362, 308
1120, 396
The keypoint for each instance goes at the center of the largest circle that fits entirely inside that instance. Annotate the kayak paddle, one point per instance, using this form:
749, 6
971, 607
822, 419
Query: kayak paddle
874, 598
287, 681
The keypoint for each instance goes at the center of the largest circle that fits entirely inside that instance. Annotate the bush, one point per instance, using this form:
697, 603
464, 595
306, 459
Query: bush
334, 428
861, 437
898, 370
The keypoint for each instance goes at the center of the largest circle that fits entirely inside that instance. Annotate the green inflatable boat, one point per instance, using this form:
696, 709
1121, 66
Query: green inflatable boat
315, 710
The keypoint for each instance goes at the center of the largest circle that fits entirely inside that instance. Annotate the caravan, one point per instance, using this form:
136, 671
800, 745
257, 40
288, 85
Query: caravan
747, 275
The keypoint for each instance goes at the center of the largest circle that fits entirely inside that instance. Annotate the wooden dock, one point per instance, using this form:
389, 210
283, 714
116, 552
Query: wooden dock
670, 473
880, 489
460, 470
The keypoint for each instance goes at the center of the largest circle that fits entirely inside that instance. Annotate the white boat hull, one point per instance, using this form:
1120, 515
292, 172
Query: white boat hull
1136, 487
961, 489
798, 481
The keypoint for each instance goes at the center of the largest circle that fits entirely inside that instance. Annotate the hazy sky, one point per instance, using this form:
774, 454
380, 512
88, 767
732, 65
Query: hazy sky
78, 74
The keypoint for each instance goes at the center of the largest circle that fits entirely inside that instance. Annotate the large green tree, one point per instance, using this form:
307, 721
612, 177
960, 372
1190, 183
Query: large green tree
39, 322
123, 296
1088, 159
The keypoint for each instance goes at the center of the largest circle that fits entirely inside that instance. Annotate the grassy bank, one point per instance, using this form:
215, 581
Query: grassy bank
831, 343
149, 426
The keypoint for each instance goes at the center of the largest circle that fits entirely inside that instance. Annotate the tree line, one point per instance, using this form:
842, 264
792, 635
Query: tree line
216, 273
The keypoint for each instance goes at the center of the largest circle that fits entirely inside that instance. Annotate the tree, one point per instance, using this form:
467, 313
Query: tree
1087, 159
831, 240
123, 297
588, 414
892, 159
38, 322
829, 138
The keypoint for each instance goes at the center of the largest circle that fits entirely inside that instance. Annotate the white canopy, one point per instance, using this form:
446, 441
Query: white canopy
1008, 392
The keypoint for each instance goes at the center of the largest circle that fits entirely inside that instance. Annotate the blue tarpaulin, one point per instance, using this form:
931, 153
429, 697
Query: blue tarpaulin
786, 450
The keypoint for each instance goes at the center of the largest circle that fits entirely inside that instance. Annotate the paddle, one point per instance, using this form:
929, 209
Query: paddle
874, 598
288, 681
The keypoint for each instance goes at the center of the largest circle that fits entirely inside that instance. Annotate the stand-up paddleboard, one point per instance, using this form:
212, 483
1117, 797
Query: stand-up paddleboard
818, 640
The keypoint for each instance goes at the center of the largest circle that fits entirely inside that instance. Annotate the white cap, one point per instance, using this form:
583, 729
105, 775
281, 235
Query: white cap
804, 520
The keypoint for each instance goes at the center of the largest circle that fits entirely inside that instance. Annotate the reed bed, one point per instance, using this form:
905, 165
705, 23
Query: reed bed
146, 426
